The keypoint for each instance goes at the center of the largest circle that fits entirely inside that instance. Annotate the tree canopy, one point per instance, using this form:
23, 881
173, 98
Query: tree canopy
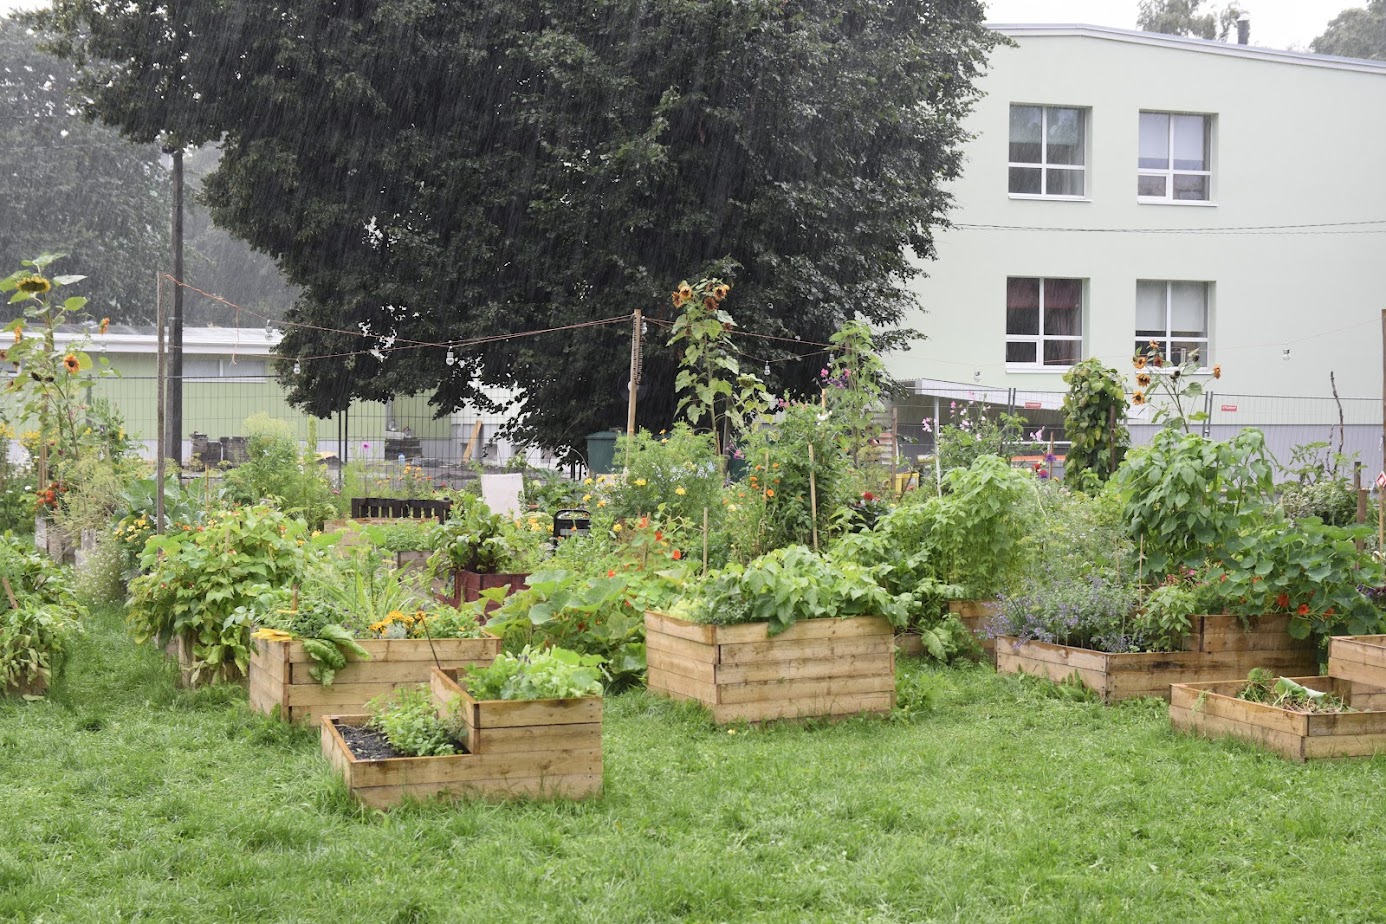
1359, 32
1185, 17
444, 170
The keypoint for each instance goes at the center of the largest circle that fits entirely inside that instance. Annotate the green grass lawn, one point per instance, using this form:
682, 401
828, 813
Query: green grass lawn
125, 799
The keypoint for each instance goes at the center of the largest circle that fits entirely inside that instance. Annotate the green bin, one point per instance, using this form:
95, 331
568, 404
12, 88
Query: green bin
601, 452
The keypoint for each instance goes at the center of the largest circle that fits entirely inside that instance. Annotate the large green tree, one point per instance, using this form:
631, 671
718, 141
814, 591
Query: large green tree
442, 170
1187, 17
67, 186
1359, 32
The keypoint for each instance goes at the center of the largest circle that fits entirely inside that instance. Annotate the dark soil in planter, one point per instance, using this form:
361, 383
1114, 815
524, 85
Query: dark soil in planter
369, 744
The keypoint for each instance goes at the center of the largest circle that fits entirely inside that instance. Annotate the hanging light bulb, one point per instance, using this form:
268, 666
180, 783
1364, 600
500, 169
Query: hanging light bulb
452, 357
297, 368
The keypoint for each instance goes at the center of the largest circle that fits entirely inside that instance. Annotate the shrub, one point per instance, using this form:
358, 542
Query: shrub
678, 472
35, 635
1094, 420
274, 469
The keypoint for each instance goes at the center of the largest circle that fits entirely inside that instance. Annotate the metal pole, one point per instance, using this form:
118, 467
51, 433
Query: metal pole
162, 438
175, 357
634, 383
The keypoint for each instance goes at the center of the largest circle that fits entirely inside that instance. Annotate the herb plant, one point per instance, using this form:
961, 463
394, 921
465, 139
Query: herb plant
410, 722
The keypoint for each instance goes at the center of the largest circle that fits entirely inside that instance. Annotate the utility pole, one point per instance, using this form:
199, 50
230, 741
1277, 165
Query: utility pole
174, 418
637, 322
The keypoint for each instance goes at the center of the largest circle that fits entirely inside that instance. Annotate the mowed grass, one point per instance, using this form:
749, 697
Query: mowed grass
125, 799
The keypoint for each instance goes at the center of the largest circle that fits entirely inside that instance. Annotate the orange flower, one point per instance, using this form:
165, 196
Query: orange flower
677, 555
659, 534
1158, 360
18, 334
105, 323
709, 302
769, 492
1138, 362
1143, 379
720, 292
685, 291
1137, 398
1303, 609
71, 363
1217, 371
611, 572
679, 300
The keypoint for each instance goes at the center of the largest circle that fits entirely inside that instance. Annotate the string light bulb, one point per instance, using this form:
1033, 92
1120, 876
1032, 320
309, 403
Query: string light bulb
452, 357
297, 367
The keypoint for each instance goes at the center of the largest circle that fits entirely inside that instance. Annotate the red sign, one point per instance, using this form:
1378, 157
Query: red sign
1033, 405
1229, 407
1381, 480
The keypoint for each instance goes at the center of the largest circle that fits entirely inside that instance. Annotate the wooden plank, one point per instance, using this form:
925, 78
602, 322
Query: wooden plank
808, 707
808, 668
975, 609
658, 661
1368, 650
381, 672
1218, 705
1286, 745
554, 786
794, 690
686, 687
679, 628
805, 629
507, 713
541, 738
1336, 746
268, 659
1043, 652
1131, 679
778, 650
343, 694
693, 651
460, 768
449, 650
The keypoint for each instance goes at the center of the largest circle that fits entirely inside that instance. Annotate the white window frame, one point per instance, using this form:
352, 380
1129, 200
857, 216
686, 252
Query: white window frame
1205, 351
226, 369
1170, 173
1043, 165
1041, 338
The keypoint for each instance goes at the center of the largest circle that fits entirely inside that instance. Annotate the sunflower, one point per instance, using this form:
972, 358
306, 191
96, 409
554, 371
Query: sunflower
1138, 362
679, 300
709, 303
34, 284
1137, 398
105, 323
685, 291
719, 292
1143, 379
70, 363
1217, 371
1158, 360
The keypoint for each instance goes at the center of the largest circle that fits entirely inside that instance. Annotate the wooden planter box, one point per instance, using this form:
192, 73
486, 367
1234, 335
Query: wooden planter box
180, 649
974, 615
498, 726
1218, 648
816, 667
468, 585
1212, 710
279, 673
1361, 658
398, 508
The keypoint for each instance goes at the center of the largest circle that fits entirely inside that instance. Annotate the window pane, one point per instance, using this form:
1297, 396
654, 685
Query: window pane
1188, 309
244, 368
1025, 180
1025, 134
1064, 182
1022, 306
1181, 350
201, 368
1063, 307
1190, 142
1143, 346
1154, 152
1061, 352
1190, 187
1150, 186
1020, 352
1150, 308
1064, 137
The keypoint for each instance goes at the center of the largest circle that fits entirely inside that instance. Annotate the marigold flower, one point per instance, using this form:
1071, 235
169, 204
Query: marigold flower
640, 482
680, 491
1137, 398
678, 300
616, 528
719, 292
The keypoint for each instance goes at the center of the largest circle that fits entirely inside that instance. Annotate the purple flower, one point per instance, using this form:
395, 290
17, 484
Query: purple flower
928, 428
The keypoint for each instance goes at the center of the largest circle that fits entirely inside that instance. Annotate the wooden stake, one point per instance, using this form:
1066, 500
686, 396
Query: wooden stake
894, 446
813, 498
636, 322
9, 592
705, 542
160, 373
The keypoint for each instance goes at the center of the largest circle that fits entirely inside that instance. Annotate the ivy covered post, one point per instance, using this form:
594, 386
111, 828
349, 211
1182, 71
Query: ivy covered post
1094, 411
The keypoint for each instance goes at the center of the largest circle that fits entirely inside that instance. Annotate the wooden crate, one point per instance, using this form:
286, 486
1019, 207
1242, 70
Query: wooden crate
1218, 648
816, 667
1212, 710
1361, 658
551, 773
974, 615
279, 673
497, 726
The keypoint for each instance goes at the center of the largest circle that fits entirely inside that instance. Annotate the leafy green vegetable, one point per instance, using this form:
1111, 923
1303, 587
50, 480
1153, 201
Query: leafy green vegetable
554, 673
409, 721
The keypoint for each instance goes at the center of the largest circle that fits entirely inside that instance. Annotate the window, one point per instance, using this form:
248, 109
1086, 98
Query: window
1174, 164
1175, 316
211, 369
1044, 321
1048, 153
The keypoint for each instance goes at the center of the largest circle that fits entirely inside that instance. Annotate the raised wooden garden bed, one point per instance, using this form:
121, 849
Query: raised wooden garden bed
279, 673
816, 667
974, 615
468, 585
1218, 648
497, 726
1361, 658
1212, 710
397, 508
